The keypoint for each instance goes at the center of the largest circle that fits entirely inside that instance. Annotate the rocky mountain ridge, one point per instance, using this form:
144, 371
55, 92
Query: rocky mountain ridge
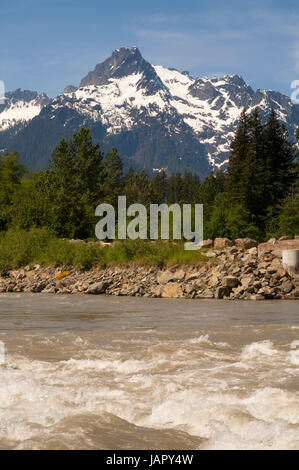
156, 116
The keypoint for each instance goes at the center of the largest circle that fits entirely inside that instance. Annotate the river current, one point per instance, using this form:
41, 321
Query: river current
97, 372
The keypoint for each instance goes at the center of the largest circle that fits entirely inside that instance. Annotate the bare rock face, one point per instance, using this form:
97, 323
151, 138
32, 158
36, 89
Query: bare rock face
246, 243
70, 89
222, 242
97, 288
173, 290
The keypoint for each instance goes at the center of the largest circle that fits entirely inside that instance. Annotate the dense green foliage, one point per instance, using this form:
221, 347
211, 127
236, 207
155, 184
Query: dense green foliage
20, 247
258, 196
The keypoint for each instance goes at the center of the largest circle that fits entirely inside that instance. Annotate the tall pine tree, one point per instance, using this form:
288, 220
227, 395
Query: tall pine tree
279, 161
112, 186
237, 171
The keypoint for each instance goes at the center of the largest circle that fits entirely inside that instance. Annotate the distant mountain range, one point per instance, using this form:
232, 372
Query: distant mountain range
155, 116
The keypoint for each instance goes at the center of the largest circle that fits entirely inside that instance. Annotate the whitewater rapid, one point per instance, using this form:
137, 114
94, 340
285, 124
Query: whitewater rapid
120, 373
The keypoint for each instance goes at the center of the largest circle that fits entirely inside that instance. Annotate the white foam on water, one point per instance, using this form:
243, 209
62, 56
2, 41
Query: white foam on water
294, 357
202, 339
258, 350
232, 397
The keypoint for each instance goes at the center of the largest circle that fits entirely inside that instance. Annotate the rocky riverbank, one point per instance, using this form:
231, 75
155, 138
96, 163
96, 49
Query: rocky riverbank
245, 270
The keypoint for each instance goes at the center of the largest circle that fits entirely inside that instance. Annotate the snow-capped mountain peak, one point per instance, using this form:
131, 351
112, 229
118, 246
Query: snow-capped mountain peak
123, 63
157, 117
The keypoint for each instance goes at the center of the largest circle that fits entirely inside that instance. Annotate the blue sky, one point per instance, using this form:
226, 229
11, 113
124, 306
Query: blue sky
47, 44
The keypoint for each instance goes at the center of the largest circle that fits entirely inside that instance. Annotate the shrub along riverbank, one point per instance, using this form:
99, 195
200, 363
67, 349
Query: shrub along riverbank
40, 246
36, 261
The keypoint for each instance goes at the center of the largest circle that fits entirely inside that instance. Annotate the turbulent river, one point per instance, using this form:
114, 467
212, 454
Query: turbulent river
96, 372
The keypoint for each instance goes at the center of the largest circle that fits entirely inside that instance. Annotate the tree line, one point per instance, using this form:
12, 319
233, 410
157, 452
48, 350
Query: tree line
258, 195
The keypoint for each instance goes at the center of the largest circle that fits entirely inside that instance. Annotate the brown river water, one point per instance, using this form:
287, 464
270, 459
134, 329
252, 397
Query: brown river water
96, 372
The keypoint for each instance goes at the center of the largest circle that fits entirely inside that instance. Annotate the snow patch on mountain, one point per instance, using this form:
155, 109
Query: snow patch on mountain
17, 112
20, 106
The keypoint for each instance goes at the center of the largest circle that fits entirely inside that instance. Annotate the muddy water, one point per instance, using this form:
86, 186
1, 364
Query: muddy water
99, 372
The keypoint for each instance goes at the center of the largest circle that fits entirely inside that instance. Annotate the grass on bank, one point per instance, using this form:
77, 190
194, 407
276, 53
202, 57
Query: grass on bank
40, 246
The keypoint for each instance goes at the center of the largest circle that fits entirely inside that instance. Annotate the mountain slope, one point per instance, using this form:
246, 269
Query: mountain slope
157, 117
19, 108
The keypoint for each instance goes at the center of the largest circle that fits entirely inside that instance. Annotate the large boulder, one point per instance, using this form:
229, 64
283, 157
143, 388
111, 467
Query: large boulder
246, 243
230, 281
222, 242
267, 292
164, 277
223, 291
213, 280
168, 276
286, 286
173, 290
247, 281
97, 288
179, 275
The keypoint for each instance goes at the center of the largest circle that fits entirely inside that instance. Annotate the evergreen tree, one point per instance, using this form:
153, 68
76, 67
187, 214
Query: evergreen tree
190, 188
75, 176
288, 218
237, 166
11, 173
213, 185
28, 210
160, 188
112, 186
253, 172
174, 193
139, 188
279, 164
215, 225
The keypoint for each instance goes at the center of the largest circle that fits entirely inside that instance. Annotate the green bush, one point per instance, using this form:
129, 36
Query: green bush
40, 246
